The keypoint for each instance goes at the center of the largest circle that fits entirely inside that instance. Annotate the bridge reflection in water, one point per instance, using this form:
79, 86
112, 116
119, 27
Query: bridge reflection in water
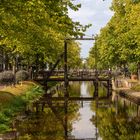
84, 98
65, 121
60, 120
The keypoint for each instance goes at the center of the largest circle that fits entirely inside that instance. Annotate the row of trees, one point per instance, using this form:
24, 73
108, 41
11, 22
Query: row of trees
118, 43
33, 32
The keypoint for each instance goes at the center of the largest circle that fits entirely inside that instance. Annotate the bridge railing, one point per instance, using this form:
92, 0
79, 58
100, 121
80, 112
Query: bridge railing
90, 73
45, 73
81, 73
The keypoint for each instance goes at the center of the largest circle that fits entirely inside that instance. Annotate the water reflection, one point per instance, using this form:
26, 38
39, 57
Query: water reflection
116, 122
69, 120
80, 129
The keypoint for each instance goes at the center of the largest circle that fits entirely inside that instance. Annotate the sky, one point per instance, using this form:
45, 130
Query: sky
95, 12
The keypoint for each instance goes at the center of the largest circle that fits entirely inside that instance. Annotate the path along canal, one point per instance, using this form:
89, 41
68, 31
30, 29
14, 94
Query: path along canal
83, 120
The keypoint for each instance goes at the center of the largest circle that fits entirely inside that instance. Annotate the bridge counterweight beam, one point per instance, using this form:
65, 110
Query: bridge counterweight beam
108, 88
95, 88
66, 119
65, 69
96, 84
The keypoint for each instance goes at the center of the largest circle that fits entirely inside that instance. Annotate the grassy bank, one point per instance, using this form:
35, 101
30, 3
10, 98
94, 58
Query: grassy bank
136, 88
13, 100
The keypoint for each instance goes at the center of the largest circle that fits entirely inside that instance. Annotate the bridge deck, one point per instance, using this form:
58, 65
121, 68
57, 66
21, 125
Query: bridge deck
82, 139
72, 79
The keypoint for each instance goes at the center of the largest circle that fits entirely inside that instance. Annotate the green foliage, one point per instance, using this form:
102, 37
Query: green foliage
114, 126
118, 42
136, 88
32, 94
3, 128
74, 60
74, 89
50, 124
4, 122
133, 68
4, 119
91, 59
15, 105
35, 30
22, 75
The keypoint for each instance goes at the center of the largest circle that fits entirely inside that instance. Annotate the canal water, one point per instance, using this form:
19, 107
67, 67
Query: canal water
115, 119
83, 127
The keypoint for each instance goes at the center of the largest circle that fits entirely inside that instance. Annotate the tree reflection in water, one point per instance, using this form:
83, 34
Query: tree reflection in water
114, 121
117, 122
52, 123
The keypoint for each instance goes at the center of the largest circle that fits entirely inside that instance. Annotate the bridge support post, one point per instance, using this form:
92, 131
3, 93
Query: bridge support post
116, 105
37, 108
43, 106
96, 84
45, 87
109, 86
137, 110
65, 70
66, 119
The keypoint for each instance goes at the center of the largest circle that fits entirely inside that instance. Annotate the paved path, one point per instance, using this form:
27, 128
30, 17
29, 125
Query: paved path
1, 87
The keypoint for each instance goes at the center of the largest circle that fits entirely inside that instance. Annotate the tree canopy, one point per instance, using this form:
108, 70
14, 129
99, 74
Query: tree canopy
31, 28
119, 42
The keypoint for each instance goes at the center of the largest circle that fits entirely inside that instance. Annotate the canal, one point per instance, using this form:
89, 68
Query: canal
112, 119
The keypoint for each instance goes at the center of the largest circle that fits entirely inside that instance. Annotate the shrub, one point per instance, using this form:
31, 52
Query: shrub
0, 77
7, 77
22, 75
17, 104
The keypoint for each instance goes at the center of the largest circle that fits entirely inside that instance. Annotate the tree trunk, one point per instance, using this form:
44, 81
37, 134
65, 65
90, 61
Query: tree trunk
14, 66
139, 71
6, 61
124, 69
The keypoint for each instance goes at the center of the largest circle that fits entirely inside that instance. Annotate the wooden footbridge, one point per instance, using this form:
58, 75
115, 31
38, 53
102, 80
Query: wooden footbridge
65, 75
77, 75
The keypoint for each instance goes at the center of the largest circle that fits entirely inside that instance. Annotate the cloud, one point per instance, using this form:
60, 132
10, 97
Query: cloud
95, 12
82, 13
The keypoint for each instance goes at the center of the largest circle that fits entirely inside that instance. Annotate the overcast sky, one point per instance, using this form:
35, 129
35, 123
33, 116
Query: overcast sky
95, 12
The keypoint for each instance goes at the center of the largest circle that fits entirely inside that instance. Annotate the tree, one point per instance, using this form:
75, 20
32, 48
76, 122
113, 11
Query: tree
37, 28
118, 42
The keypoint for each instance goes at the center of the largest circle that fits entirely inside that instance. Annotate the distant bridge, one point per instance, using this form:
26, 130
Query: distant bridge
77, 75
